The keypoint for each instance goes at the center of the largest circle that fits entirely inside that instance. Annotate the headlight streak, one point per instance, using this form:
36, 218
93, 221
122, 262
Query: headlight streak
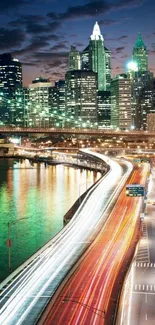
35, 282
124, 314
81, 280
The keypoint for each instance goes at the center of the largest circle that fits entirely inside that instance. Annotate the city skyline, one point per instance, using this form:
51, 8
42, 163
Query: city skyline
42, 41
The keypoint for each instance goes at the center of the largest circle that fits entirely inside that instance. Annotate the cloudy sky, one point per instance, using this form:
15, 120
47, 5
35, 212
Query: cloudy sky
40, 32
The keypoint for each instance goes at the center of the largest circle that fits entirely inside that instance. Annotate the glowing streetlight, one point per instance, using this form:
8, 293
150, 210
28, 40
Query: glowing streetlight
132, 66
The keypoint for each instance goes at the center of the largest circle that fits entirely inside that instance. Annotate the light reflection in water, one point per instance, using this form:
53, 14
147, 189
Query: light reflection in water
41, 195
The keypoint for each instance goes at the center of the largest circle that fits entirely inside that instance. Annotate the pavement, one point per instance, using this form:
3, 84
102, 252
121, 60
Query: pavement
138, 301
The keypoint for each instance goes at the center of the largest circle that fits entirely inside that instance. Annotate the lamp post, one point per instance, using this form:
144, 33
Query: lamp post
9, 241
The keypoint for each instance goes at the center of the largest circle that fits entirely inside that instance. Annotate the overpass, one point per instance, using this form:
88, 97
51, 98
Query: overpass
76, 131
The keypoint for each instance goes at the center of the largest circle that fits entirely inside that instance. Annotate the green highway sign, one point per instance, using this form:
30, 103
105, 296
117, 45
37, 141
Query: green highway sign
135, 190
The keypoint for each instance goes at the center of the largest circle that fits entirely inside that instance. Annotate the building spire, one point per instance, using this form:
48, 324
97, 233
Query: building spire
139, 42
96, 35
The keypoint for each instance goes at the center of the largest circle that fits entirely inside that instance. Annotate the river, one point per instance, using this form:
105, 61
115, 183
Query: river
33, 200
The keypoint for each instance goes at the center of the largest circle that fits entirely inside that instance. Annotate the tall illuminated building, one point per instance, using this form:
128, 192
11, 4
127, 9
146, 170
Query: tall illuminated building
74, 59
108, 68
141, 94
121, 102
140, 55
144, 98
10, 73
104, 109
139, 82
39, 102
97, 56
10, 82
151, 122
58, 104
81, 97
85, 61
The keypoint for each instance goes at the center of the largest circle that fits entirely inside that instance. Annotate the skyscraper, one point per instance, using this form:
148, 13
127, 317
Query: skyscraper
151, 122
74, 59
108, 68
10, 82
58, 103
97, 56
10, 73
85, 60
104, 109
145, 103
139, 85
81, 96
121, 102
39, 102
139, 54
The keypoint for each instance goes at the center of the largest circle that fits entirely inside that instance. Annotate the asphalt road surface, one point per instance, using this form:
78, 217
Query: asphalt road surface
138, 303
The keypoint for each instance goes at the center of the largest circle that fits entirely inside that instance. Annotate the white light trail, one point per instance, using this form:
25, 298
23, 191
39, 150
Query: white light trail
42, 277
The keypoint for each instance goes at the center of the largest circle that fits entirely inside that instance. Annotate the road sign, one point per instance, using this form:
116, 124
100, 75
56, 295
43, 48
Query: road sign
144, 159
135, 190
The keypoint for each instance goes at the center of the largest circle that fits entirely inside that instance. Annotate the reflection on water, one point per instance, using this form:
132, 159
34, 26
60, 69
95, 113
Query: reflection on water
40, 196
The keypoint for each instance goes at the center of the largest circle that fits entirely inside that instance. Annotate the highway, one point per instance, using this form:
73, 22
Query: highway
89, 131
87, 296
23, 300
138, 297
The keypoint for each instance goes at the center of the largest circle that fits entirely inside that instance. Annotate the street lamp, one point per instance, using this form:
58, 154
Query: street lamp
9, 241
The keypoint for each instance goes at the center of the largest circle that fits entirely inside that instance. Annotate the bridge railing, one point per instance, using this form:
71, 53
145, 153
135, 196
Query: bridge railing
9, 129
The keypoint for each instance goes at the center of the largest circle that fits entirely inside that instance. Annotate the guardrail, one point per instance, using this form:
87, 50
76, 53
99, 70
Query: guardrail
32, 258
76, 131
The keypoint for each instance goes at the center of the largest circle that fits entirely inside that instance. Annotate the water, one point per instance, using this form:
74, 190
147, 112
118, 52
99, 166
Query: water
34, 199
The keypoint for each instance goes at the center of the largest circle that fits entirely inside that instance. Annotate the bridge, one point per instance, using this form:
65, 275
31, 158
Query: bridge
76, 131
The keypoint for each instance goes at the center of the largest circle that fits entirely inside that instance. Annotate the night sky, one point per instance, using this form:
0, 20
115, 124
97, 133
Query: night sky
40, 32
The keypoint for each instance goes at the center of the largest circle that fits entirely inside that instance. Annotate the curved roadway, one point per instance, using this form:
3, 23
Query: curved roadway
87, 296
26, 296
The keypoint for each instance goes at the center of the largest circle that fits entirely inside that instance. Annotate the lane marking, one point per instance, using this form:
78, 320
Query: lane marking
146, 298
143, 293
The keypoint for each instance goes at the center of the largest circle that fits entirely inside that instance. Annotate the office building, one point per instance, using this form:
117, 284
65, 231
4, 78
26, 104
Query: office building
58, 104
140, 55
141, 83
97, 56
10, 82
17, 108
39, 107
145, 105
121, 102
108, 68
104, 109
74, 59
10, 74
151, 122
85, 60
81, 97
